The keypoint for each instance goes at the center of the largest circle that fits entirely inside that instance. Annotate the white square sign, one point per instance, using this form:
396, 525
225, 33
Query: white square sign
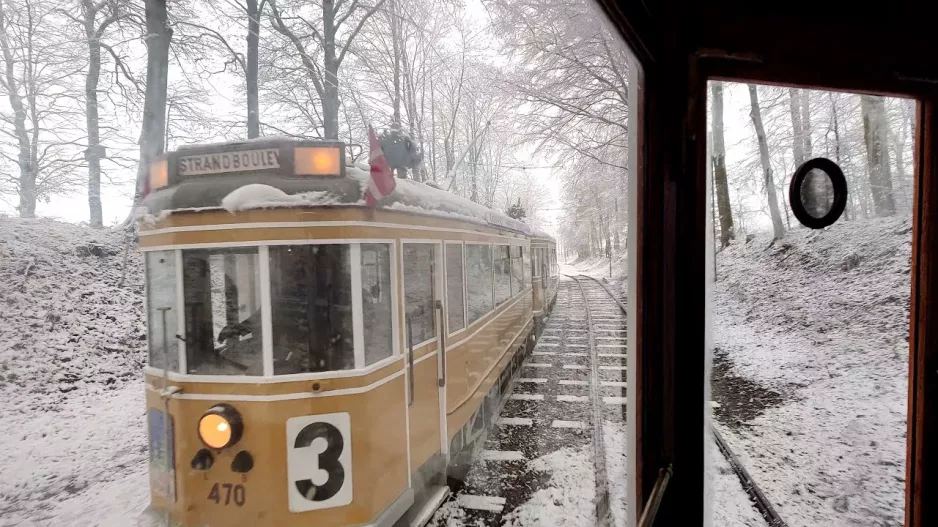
319, 461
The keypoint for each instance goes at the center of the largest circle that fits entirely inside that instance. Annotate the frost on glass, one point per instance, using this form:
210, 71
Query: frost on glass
502, 274
418, 291
455, 309
479, 280
223, 312
161, 306
517, 271
376, 300
311, 304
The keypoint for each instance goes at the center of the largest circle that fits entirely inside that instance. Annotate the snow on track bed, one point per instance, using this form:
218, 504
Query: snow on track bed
537, 468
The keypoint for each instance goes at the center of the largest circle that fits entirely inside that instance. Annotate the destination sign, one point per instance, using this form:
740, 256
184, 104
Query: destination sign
218, 162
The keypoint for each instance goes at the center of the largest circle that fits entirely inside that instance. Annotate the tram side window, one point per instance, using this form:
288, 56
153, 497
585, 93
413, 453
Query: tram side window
161, 305
502, 274
479, 280
376, 301
223, 312
525, 267
517, 270
455, 309
418, 292
311, 303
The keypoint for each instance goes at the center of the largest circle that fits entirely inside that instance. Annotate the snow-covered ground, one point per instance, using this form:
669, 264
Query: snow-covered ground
813, 329
72, 344
811, 338
821, 318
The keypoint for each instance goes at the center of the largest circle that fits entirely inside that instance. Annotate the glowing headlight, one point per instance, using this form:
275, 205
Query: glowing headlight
220, 427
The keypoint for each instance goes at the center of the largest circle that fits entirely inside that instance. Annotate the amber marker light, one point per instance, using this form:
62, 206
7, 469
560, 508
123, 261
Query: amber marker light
317, 161
159, 175
220, 427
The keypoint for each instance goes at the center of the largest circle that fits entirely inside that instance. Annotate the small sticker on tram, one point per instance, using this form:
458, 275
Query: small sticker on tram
228, 494
240, 161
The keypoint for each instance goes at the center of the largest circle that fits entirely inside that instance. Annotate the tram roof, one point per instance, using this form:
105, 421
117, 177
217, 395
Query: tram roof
278, 187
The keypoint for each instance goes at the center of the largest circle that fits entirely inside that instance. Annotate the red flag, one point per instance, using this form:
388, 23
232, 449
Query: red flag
382, 180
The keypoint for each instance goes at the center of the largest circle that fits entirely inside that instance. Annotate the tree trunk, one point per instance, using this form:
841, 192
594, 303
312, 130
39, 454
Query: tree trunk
756, 114
873, 109
27, 179
806, 124
719, 168
93, 153
396, 60
835, 127
154, 105
432, 130
330, 99
797, 136
254, 28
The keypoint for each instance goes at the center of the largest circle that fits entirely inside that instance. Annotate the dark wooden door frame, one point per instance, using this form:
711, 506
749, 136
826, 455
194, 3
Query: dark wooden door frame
670, 281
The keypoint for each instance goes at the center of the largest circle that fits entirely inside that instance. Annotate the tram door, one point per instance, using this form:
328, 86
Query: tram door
422, 284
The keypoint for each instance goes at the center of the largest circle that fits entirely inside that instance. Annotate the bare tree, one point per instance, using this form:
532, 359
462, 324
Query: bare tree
768, 181
308, 39
36, 80
159, 35
806, 124
797, 136
95, 19
875, 137
718, 158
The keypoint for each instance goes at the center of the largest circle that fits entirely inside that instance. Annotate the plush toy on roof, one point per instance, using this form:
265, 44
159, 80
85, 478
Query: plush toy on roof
401, 151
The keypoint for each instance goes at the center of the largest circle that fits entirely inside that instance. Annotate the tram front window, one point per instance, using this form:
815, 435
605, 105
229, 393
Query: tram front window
311, 303
223, 312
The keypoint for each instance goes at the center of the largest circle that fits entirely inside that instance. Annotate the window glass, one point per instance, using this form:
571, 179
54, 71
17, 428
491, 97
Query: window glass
810, 328
526, 266
455, 309
223, 312
376, 301
479, 276
517, 271
418, 292
502, 274
311, 300
161, 309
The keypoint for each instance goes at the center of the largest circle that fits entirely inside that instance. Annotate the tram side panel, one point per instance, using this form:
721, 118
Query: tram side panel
476, 365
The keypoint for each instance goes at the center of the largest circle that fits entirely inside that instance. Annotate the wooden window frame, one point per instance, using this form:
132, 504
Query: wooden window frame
668, 283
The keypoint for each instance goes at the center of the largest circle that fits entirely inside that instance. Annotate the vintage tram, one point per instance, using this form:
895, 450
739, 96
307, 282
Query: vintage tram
313, 361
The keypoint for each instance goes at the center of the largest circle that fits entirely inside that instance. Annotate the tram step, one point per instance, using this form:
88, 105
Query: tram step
435, 497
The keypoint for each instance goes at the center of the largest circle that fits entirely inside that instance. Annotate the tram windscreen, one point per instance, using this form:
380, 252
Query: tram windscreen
311, 304
223, 312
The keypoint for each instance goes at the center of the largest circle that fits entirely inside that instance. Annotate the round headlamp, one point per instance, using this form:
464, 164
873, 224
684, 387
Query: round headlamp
220, 427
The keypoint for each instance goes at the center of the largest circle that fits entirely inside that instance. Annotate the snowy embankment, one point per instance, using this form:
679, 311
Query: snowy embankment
72, 345
820, 318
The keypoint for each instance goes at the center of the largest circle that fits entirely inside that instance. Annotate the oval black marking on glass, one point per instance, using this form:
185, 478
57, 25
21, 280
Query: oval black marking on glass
809, 213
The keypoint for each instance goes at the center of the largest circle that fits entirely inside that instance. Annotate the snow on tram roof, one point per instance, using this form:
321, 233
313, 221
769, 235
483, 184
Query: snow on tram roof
408, 196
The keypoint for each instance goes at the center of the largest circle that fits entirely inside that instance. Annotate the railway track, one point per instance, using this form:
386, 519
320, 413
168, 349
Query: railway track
558, 447
756, 496
558, 450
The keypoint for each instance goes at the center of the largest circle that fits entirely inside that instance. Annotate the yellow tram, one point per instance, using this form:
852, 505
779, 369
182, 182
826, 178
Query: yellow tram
313, 361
